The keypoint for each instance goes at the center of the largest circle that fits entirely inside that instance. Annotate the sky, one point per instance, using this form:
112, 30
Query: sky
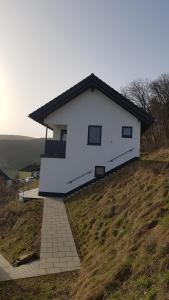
47, 46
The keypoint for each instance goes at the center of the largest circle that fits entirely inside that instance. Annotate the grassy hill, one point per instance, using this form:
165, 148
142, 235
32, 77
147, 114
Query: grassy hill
20, 223
18, 151
14, 137
121, 228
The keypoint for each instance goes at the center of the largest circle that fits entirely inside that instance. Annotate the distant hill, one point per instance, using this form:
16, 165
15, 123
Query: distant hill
15, 137
19, 151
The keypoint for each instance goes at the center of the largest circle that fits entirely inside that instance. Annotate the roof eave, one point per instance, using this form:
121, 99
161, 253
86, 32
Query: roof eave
91, 82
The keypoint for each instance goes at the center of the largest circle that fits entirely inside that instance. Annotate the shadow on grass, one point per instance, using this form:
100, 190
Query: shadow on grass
151, 161
52, 286
5, 282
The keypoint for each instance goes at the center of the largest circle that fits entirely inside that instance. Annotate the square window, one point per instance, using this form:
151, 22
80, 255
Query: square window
99, 171
94, 135
127, 131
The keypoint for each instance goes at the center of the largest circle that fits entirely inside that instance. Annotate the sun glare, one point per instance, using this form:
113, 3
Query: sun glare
4, 104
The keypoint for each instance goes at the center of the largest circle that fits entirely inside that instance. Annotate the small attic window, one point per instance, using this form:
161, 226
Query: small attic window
127, 131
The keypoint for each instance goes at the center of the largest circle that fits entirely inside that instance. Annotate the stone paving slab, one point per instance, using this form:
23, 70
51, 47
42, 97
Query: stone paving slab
58, 251
30, 194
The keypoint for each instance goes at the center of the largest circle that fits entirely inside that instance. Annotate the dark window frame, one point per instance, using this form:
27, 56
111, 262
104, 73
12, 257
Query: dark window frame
127, 136
95, 172
100, 137
62, 132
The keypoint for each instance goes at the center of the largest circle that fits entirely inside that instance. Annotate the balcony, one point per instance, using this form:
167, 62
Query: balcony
55, 148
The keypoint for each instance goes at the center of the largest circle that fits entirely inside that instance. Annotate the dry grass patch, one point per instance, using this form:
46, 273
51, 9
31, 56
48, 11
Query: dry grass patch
20, 224
122, 228
30, 185
58, 287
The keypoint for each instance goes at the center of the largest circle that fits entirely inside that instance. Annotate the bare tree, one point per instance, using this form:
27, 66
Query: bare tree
154, 98
160, 94
139, 92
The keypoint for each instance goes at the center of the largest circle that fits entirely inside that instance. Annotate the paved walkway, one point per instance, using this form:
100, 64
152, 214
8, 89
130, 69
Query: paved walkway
58, 251
30, 194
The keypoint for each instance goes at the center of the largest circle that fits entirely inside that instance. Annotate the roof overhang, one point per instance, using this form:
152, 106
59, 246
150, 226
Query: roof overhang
92, 81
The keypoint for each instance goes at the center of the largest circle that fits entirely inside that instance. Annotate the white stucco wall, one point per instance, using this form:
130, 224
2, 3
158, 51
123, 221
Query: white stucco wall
57, 131
90, 108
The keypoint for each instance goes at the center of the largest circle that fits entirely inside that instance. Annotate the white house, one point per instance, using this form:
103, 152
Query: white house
95, 131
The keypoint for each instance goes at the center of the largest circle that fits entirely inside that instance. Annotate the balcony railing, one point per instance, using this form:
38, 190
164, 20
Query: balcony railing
54, 148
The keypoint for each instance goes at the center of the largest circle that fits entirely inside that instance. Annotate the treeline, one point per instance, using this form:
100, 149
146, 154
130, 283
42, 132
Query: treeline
152, 96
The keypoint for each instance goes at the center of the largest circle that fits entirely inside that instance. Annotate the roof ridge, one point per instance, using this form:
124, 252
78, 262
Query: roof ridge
91, 81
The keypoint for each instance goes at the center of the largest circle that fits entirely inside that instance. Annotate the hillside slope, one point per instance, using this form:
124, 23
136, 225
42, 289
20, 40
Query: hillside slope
20, 223
14, 137
15, 154
121, 227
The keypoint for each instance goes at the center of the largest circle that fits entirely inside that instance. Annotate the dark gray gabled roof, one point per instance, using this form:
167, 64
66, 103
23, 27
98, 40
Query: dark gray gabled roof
92, 81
